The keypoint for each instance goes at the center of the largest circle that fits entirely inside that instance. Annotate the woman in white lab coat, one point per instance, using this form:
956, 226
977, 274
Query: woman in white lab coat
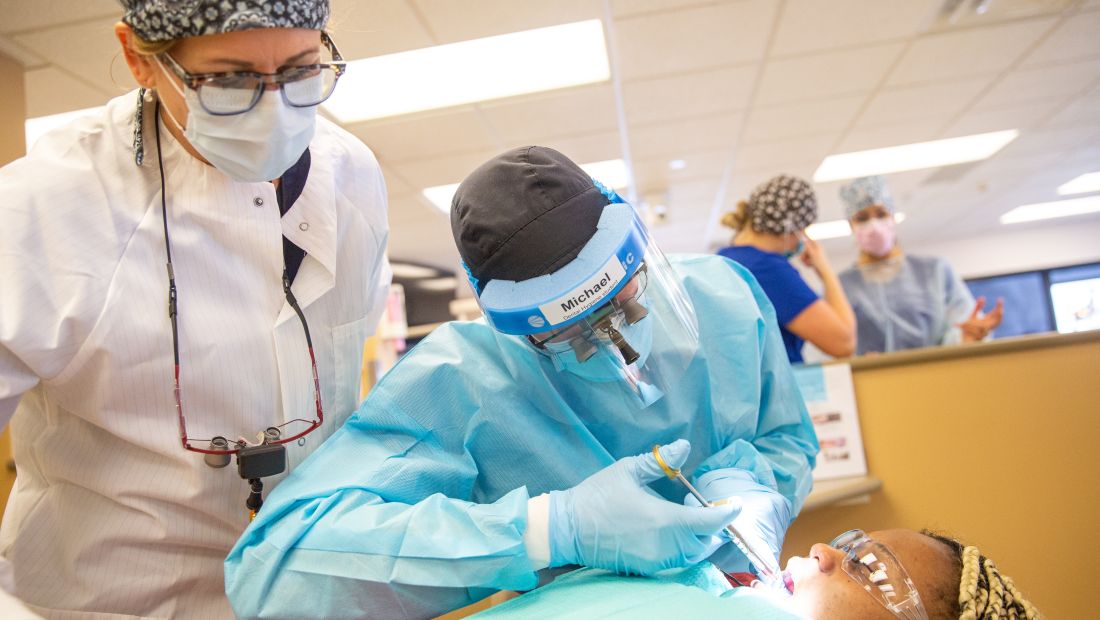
220, 169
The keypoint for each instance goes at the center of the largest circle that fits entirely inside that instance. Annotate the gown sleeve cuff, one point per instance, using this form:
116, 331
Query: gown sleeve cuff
536, 538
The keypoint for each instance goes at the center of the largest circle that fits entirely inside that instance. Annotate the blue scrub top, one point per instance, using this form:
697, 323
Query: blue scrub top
783, 285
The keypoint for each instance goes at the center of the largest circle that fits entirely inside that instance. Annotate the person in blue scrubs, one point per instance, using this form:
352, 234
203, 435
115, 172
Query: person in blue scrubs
902, 301
770, 231
501, 451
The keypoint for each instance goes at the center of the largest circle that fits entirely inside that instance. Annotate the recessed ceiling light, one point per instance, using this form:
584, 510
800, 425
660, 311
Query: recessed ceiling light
34, 128
833, 229
611, 172
457, 73
913, 156
1081, 185
677, 164
1050, 210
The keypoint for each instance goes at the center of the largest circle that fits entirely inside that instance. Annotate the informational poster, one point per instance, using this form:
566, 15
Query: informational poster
1076, 305
831, 401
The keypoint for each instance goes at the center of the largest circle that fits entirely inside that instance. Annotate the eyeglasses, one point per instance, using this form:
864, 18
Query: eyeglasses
237, 92
872, 565
220, 446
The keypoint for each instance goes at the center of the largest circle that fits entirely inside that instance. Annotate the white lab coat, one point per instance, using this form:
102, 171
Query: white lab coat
109, 513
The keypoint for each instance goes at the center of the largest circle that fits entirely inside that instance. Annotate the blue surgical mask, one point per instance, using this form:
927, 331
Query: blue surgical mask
796, 251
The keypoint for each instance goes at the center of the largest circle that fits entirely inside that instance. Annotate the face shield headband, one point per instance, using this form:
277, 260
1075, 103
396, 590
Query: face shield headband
554, 301
872, 565
617, 316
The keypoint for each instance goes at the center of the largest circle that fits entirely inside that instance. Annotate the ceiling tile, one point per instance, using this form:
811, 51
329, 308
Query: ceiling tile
586, 148
693, 38
810, 25
1023, 117
969, 52
395, 185
758, 156
865, 138
826, 74
452, 21
1075, 38
429, 172
50, 91
769, 123
22, 15
1046, 141
1082, 111
942, 100
20, 54
573, 111
428, 241
88, 49
674, 140
428, 135
622, 8
655, 173
1054, 82
687, 95
365, 29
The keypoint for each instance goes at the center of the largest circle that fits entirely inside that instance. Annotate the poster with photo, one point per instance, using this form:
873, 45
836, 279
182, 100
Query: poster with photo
831, 401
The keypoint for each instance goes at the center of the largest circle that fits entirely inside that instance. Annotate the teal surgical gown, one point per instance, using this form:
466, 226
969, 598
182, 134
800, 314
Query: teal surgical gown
418, 504
918, 306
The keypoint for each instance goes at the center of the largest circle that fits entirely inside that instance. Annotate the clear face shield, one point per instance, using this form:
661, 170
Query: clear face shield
872, 565
616, 319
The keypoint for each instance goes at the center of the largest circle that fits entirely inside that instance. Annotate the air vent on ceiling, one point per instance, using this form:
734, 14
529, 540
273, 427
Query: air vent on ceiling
967, 13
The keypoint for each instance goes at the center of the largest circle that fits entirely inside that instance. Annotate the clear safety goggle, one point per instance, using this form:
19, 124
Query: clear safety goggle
872, 565
603, 324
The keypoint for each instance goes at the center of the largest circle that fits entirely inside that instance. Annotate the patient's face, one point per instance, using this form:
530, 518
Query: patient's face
823, 590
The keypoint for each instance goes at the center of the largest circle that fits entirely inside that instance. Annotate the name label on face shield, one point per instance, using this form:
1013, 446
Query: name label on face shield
586, 295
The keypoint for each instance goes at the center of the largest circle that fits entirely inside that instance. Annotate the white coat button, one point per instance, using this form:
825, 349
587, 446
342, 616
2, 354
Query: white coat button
304, 226
257, 201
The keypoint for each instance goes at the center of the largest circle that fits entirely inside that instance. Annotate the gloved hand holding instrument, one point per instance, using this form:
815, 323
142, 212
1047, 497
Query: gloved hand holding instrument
756, 531
613, 521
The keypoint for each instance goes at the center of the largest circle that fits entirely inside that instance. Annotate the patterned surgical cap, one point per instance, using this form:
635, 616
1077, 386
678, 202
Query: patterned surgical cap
782, 205
865, 192
164, 20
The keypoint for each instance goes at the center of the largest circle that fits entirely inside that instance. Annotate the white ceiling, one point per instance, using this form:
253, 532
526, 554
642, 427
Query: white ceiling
738, 89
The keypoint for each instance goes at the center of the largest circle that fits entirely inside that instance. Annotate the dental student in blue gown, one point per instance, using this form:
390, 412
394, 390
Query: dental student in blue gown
502, 451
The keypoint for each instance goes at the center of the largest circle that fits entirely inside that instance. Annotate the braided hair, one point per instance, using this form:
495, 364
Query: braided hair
984, 593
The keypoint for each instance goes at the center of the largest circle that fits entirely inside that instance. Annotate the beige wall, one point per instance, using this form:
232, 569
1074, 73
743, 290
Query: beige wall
1001, 450
12, 115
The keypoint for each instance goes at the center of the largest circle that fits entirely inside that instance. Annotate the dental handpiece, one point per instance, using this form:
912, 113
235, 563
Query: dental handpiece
767, 568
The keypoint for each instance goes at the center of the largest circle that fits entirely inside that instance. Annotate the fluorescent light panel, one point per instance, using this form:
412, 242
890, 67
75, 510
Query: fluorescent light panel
457, 73
1050, 210
1081, 185
834, 229
913, 156
610, 172
35, 128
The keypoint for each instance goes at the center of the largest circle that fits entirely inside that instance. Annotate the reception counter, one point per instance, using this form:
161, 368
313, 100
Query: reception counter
997, 444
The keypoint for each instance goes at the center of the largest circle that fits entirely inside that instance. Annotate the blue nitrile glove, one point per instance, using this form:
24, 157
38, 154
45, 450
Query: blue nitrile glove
611, 520
765, 514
